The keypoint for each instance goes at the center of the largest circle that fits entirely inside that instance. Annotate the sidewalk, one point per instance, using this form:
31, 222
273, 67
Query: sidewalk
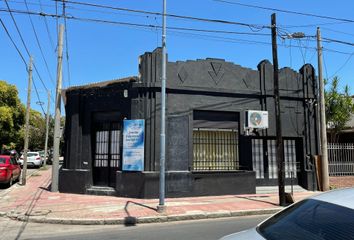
35, 203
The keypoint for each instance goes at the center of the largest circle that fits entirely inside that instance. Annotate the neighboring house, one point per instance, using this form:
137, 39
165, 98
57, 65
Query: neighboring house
347, 135
209, 150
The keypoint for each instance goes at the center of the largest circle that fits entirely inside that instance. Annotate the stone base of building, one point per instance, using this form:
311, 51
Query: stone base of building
178, 184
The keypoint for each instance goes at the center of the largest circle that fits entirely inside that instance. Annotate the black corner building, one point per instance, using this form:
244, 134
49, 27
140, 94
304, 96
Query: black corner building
209, 150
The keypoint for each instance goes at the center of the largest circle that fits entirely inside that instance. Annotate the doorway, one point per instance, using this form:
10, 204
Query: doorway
107, 153
264, 161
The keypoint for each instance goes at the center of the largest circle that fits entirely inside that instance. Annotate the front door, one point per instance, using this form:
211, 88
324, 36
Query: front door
264, 161
107, 153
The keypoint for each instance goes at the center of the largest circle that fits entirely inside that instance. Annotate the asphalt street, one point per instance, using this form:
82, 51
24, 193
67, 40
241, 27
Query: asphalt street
198, 230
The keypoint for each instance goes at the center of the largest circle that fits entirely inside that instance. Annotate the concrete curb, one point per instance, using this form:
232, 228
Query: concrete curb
197, 215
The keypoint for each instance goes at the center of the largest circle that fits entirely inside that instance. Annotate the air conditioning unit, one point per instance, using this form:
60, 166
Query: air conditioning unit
256, 119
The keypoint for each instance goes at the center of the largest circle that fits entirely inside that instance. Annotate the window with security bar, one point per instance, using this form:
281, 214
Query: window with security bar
215, 149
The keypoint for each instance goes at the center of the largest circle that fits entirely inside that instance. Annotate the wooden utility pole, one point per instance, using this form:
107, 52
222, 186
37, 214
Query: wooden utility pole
323, 127
47, 131
279, 141
28, 109
56, 141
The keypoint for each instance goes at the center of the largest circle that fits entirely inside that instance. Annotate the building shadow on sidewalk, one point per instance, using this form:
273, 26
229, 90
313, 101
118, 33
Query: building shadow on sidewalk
254, 199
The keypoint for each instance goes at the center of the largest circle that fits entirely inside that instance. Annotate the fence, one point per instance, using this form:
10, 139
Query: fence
341, 159
341, 164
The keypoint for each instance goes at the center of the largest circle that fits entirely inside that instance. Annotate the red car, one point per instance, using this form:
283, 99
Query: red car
10, 170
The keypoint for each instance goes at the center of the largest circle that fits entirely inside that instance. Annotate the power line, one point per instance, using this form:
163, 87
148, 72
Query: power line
135, 24
24, 44
336, 31
286, 11
66, 44
18, 30
23, 59
343, 65
168, 15
39, 45
335, 51
313, 25
339, 41
47, 27
149, 26
39, 99
13, 42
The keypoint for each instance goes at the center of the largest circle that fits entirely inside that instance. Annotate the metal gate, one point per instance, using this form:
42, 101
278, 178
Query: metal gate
107, 153
264, 160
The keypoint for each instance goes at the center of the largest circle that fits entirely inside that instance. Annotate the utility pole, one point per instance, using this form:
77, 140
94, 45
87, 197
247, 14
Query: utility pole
161, 207
28, 109
279, 141
46, 131
56, 142
324, 158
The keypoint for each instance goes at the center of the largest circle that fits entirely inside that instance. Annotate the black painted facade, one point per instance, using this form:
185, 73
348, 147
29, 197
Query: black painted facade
210, 94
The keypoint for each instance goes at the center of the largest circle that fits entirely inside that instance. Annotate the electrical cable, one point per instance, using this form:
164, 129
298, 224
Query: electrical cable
24, 44
344, 64
39, 99
286, 11
325, 65
13, 42
148, 26
66, 44
338, 41
39, 45
168, 15
23, 59
132, 24
336, 31
47, 27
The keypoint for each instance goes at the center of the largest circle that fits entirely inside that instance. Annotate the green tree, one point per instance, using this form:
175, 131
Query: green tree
12, 114
339, 107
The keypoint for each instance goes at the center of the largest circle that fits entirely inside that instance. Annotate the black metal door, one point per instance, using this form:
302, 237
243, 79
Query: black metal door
107, 153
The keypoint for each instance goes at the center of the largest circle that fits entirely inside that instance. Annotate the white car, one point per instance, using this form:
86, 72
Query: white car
33, 159
326, 216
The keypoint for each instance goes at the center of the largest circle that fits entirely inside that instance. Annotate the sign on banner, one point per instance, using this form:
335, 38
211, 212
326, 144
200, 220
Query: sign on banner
133, 145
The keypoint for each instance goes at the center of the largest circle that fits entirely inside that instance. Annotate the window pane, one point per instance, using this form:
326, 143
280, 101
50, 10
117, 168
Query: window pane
215, 149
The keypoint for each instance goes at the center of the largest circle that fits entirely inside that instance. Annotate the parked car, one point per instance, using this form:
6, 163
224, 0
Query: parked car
33, 159
326, 216
10, 170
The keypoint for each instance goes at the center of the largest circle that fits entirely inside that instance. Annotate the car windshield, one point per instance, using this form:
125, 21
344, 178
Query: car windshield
310, 219
2, 160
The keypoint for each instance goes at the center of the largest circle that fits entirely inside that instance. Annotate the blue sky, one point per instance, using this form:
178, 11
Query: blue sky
101, 51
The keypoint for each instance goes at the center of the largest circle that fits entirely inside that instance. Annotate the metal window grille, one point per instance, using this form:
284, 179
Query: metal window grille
272, 159
257, 157
101, 154
215, 150
104, 153
289, 159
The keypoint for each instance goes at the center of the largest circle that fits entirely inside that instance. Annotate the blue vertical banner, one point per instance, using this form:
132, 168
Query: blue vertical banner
133, 145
